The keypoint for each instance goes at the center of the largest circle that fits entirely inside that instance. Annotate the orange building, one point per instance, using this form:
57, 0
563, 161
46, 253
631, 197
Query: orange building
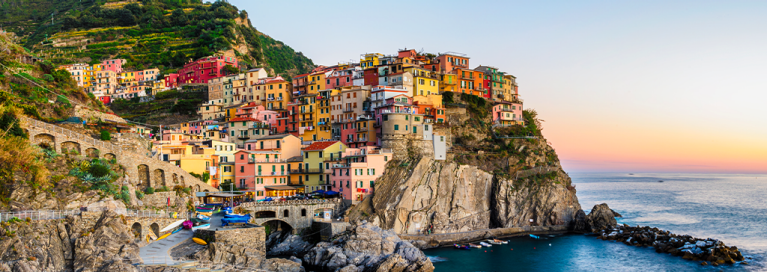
470, 81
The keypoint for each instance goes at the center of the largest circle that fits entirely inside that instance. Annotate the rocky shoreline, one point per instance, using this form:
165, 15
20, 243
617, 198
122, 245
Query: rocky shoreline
602, 222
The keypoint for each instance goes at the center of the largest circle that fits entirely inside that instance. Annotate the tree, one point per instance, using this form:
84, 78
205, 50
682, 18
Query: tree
105, 135
230, 70
178, 17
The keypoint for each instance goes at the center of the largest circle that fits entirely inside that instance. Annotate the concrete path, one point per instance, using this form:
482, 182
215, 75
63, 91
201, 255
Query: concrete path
158, 252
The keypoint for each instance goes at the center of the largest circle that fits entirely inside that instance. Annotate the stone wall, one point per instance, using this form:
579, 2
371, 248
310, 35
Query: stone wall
443, 239
93, 116
252, 238
160, 199
141, 169
296, 214
328, 230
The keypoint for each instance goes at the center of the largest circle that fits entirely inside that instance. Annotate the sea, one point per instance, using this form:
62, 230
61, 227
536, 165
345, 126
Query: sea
729, 207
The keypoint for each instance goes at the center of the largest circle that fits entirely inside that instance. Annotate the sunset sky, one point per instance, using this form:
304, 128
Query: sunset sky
635, 86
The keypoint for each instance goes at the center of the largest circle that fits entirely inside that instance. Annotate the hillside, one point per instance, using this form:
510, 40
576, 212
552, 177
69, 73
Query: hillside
163, 34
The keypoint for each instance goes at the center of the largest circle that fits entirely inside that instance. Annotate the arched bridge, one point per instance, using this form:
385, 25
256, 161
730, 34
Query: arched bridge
141, 168
297, 214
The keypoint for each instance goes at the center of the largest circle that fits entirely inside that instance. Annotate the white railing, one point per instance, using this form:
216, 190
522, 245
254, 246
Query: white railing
154, 214
38, 215
289, 202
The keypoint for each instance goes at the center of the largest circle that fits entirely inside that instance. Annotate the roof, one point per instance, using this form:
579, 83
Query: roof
317, 146
255, 70
240, 119
224, 195
276, 136
301, 75
296, 159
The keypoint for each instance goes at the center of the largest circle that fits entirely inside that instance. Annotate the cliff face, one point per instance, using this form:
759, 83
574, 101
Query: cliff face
454, 197
490, 179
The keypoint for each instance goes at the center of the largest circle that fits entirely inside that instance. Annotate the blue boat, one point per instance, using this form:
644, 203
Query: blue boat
535, 236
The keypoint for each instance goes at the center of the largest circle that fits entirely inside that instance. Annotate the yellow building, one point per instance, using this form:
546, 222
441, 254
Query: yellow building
277, 93
316, 82
370, 60
324, 120
127, 78
318, 158
448, 83
425, 82
307, 117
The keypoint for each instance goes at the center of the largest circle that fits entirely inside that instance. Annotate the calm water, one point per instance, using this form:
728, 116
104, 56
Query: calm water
727, 207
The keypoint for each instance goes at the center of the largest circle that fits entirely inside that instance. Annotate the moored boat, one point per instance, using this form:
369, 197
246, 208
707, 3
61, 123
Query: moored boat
534, 236
206, 226
460, 246
475, 246
491, 241
485, 244
501, 241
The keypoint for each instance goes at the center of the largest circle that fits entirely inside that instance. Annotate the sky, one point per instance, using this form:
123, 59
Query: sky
623, 86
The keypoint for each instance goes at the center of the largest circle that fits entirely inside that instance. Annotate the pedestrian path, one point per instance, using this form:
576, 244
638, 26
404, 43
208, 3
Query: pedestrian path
158, 252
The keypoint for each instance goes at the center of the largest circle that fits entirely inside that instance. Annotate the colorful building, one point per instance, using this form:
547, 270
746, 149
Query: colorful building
354, 177
204, 69
317, 160
507, 114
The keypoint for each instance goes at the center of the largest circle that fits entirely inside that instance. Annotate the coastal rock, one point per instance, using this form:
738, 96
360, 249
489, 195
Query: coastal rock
580, 224
117, 207
291, 245
600, 218
108, 244
368, 248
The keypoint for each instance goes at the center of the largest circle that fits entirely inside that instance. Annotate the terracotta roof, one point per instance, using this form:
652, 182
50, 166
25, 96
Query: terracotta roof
240, 119
301, 75
316, 146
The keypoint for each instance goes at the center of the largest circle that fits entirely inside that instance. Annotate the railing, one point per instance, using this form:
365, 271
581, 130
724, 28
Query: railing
154, 214
289, 202
38, 215
307, 171
362, 129
253, 160
348, 110
271, 173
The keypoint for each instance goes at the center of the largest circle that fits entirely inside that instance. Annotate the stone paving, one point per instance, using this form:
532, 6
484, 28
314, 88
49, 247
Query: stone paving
158, 252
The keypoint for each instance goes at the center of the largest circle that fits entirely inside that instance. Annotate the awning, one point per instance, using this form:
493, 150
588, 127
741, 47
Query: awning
282, 187
225, 195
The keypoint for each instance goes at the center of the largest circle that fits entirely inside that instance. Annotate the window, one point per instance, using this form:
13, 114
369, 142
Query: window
417, 118
396, 127
242, 169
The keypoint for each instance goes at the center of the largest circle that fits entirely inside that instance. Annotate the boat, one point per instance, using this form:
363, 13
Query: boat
172, 225
203, 218
534, 236
147, 238
484, 244
475, 246
199, 241
460, 246
177, 230
660, 181
206, 226
164, 236
631, 174
501, 241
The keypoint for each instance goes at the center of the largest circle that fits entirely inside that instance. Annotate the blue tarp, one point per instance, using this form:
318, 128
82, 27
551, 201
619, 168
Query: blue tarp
331, 193
237, 219
318, 192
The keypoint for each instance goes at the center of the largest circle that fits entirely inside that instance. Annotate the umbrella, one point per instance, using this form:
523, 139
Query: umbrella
318, 192
330, 193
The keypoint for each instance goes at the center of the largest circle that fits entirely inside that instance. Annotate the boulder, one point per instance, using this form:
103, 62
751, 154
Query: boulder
601, 217
117, 207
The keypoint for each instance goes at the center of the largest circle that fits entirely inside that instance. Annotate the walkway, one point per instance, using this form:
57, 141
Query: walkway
158, 252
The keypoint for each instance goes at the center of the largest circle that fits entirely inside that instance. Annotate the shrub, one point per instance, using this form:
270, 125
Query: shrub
149, 190
63, 100
139, 195
48, 77
187, 190
99, 170
105, 135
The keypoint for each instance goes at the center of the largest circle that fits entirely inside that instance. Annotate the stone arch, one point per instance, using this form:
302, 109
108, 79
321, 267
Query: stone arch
46, 141
159, 177
277, 225
182, 179
206, 190
175, 178
110, 156
303, 212
92, 152
136, 228
143, 175
196, 188
285, 213
70, 146
266, 214
155, 229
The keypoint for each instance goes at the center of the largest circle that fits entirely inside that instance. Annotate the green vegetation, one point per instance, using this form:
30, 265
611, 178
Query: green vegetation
153, 33
175, 102
105, 135
149, 190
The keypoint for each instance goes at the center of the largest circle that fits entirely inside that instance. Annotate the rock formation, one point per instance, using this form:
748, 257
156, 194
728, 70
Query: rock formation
285, 244
101, 243
601, 217
367, 248
454, 197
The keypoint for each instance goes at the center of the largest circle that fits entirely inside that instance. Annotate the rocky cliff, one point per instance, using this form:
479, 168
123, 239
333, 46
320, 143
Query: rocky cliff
490, 179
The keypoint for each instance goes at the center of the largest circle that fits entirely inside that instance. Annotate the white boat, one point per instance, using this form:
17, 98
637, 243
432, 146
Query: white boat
501, 241
493, 242
206, 226
475, 246
485, 244
173, 225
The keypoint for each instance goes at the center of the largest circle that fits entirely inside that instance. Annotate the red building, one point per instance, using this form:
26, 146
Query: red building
371, 76
204, 69
340, 78
171, 80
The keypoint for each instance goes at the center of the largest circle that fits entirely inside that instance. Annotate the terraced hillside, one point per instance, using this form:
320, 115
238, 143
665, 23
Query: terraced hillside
150, 33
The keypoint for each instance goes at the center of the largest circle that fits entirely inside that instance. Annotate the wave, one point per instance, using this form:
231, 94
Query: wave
436, 259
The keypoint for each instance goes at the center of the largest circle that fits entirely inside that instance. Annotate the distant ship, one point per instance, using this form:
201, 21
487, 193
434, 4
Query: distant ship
660, 181
631, 174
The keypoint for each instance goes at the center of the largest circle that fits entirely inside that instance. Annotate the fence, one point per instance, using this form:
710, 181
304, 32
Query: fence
289, 202
154, 214
37, 215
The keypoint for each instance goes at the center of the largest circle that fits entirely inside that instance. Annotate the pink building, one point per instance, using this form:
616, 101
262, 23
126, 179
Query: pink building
204, 69
505, 113
258, 112
355, 176
340, 78
115, 65
171, 80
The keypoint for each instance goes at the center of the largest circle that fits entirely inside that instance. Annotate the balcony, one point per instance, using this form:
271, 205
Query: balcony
348, 110
308, 128
281, 173
307, 171
362, 129
293, 121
